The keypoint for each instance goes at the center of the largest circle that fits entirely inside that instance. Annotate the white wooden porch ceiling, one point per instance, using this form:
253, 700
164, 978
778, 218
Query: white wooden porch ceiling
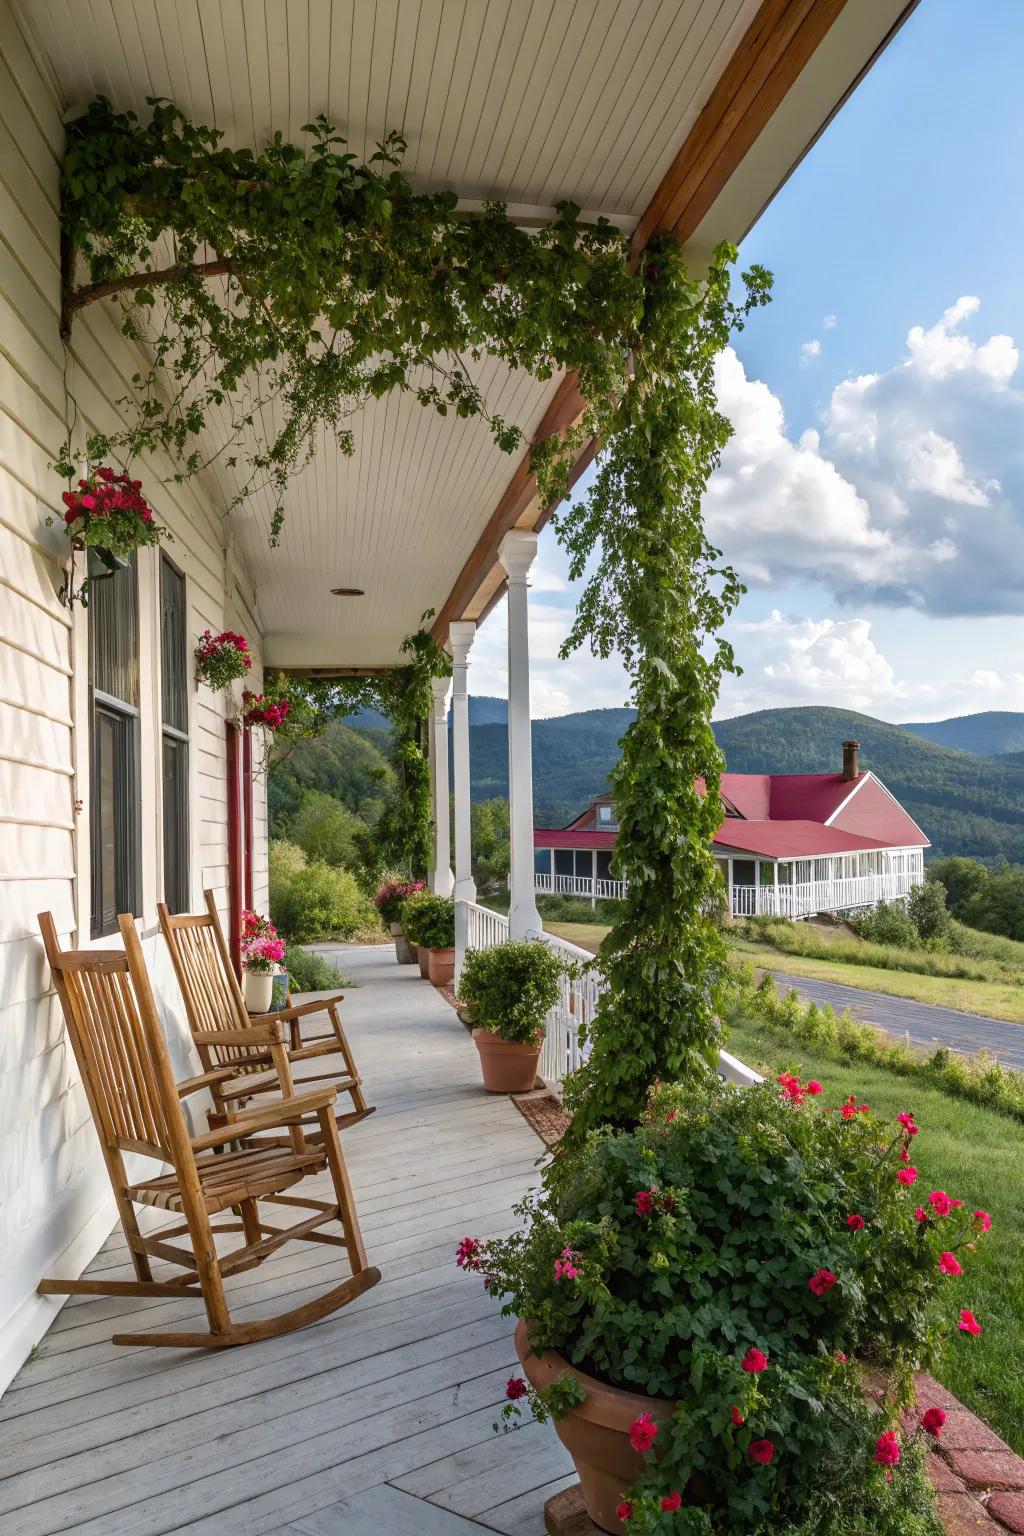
532, 101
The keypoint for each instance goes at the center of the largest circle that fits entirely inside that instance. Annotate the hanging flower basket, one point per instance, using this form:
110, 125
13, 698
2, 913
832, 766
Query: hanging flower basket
221, 659
259, 710
110, 518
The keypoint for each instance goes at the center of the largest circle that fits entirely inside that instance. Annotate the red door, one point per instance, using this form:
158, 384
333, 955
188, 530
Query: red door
240, 824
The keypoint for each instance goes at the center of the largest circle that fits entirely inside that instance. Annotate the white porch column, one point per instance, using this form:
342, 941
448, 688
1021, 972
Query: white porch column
441, 871
461, 634
729, 888
516, 553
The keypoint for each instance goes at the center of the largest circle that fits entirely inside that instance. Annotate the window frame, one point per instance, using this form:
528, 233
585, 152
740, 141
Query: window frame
177, 900
127, 831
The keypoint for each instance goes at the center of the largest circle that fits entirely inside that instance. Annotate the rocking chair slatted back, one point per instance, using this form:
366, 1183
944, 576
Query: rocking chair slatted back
126, 1071
213, 997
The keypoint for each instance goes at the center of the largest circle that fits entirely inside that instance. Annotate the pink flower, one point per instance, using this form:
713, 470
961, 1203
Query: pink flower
887, 1449
940, 1202
672, 1502
790, 1085
813, 1087
467, 1254
754, 1361
642, 1433
737, 1417
644, 1202
821, 1281
855, 1222
982, 1220
933, 1421
88, 502
515, 1388
624, 1511
840, 1357
907, 1122
907, 1176
761, 1451
565, 1267
949, 1264
849, 1111
969, 1323
920, 1213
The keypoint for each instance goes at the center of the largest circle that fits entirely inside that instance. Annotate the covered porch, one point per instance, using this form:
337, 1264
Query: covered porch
376, 1420
806, 887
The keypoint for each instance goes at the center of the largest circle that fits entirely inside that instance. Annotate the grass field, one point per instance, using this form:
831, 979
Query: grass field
996, 999
975, 1155
586, 935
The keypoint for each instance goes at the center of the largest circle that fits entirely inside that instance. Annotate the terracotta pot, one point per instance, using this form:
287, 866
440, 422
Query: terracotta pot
596, 1433
423, 956
508, 1066
404, 952
441, 966
259, 991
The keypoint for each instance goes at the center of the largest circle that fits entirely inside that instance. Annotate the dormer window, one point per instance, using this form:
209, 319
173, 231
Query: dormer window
606, 818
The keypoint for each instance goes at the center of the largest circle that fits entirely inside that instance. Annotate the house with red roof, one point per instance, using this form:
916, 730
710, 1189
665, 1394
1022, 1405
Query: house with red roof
790, 844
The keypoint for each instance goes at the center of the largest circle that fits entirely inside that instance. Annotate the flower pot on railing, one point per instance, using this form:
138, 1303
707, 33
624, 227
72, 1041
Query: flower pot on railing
507, 1066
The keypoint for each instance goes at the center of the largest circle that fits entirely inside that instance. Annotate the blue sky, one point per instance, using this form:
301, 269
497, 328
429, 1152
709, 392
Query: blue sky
873, 497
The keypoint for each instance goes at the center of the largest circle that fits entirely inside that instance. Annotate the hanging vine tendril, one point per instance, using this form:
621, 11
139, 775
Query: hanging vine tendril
303, 284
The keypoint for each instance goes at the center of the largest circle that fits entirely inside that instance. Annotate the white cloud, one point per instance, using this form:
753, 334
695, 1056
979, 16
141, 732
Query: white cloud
829, 323
810, 349
790, 660
912, 492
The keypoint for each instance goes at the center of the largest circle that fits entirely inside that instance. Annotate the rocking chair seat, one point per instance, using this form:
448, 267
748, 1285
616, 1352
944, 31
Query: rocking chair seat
229, 1177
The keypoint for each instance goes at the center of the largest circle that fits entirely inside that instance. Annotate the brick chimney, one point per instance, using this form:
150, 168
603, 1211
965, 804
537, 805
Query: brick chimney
850, 768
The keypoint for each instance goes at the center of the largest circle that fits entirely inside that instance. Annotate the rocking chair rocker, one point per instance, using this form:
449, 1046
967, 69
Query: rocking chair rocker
115, 1031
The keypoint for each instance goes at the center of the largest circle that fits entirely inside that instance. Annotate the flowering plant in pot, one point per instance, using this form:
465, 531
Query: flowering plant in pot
261, 709
429, 923
262, 951
108, 515
221, 659
391, 896
709, 1285
508, 990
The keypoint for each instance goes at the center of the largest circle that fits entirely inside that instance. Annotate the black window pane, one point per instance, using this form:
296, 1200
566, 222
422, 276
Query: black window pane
115, 866
114, 634
176, 892
173, 657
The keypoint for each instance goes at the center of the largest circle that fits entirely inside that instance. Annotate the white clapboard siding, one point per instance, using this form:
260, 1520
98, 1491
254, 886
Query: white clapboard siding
54, 1198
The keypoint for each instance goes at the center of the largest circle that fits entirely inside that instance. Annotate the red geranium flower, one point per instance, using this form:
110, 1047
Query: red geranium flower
855, 1222
761, 1451
467, 1254
813, 1086
887, 1449
907, 1176
737, 1417
982, 1220
624, 1511
933, 1421
644, 1202
754, 1361
940, 1202
969, 1323
642, 1433
821, 1281
515, 1388
949, 1264
672, 1501
920, 1213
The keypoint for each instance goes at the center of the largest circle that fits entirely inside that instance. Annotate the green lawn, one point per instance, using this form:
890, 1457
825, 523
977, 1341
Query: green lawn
586, 935
994, 999
973, 1154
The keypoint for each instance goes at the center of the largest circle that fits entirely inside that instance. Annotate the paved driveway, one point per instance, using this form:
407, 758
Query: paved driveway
923, 1022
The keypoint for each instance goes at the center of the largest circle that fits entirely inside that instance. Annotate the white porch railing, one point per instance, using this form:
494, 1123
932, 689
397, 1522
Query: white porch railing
579, 885
808, 897
562, 1052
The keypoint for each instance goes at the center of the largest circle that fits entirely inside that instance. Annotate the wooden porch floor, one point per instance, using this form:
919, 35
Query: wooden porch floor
377, 1420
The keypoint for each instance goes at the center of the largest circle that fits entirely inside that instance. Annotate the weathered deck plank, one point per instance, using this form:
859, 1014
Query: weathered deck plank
302, 1433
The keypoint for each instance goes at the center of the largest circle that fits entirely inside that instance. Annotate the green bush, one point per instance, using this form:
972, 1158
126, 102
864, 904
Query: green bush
429, 921
979, 1079
326, 831
320, 902
973, 956
577, 909
708, 1257
285, 860
888, 923
926, 908
511, 987
309, 972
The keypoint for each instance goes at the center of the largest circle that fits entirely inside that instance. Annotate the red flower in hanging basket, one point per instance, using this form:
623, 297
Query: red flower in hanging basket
220, 659
109, 511
258, 710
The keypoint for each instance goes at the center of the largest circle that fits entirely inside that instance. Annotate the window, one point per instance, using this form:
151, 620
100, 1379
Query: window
606, 818
114, 723
174, 725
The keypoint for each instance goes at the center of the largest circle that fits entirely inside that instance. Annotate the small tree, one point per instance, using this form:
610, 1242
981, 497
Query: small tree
926, 907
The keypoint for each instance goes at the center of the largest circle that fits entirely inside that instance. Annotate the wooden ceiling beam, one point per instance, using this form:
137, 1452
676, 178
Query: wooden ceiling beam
775, 48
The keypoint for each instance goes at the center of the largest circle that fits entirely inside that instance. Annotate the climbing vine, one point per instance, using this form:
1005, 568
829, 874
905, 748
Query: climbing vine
297, 285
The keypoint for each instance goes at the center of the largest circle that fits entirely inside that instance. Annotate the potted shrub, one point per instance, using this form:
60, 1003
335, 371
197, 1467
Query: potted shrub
429, 923
698, 1296
262, 952
507, 991
390, 899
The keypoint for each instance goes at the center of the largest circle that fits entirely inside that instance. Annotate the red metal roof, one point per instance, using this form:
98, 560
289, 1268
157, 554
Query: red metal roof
790, 839
571, 837
808, 796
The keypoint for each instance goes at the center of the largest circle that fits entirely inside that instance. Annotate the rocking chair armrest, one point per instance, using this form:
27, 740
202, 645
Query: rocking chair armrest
300, 1010
204, 1080
284, 1112
264, 1031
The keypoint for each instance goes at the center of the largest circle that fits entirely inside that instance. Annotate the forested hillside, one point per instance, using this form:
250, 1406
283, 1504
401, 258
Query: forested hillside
989, 734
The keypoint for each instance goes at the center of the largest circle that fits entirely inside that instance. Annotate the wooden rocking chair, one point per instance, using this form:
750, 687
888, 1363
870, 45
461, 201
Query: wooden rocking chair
115, 1031
226, 1035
